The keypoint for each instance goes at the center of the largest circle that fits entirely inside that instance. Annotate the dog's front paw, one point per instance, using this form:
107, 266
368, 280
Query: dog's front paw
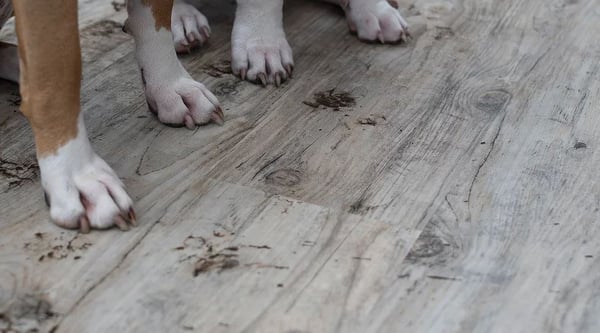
376, 20
189, 27
83, 192
183, 102
260, 51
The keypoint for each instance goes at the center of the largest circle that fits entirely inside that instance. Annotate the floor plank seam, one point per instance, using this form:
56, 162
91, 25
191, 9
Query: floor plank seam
115, 268
309, 282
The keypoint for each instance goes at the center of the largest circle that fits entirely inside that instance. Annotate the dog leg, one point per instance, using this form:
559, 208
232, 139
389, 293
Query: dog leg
82, 190
190, 28
260, 51
375, 20
170, 91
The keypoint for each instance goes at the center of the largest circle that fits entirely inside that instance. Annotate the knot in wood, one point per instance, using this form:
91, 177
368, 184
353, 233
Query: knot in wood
284, 177
493, 101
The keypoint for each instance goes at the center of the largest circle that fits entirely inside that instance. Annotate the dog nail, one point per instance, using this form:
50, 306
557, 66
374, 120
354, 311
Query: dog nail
121, 223
263, 79
132, 218
218, 117
84, 225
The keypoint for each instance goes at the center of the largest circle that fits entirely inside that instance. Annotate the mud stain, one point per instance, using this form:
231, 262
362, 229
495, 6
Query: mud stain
47, 247
332, 100
218, 69
16, 173
25, 313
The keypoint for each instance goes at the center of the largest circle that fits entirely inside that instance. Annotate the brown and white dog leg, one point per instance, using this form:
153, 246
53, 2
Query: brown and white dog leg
171, 92
259, 50
82, 190
189, 26
375, 20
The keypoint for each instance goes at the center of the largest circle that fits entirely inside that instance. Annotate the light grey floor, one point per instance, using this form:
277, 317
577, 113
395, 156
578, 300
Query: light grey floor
458, 194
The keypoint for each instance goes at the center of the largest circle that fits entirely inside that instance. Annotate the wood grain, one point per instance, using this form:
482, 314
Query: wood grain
457, 194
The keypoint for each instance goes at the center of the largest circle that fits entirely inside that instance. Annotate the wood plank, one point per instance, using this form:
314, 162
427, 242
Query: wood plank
43, 263
115, 111
419, 114
90, 13
510, 246
281, 258
478, 137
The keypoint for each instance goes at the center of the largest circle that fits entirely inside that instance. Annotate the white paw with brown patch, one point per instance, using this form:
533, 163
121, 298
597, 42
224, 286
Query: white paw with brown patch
83, 192
81, 189
260, 51
189, 26
172, 94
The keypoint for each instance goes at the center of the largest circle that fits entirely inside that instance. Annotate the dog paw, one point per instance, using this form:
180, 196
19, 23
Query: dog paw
83, 192
260, 52
183, 102
376, 20
189, 27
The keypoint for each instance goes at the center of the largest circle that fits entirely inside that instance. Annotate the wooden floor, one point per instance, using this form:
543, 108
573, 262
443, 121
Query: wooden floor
457, 190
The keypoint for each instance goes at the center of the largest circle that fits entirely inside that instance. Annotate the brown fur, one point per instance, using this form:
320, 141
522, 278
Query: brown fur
50, 70
161, 10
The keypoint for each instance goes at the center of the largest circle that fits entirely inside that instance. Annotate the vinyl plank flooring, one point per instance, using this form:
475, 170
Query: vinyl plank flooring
230, 258
445, 185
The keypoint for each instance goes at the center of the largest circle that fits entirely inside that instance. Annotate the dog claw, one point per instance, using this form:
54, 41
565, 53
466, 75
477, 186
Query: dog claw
121, 223
277, 80
205, 32
263, 79
132, 218
84, 225
47, 199
289, 69
218, 117
380, 37
405, 36
189, 122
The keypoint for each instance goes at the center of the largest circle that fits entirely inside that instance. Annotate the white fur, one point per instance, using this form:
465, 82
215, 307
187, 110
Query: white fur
259, 46
261, 53
189, 27
75, 171
170, 90
375, 20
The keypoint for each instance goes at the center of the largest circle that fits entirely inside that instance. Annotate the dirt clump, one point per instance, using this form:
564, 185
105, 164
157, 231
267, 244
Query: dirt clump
332, 99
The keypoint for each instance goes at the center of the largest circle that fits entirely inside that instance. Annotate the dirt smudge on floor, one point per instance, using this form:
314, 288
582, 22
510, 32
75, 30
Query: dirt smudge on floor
218, 69
332, 100
45, 246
